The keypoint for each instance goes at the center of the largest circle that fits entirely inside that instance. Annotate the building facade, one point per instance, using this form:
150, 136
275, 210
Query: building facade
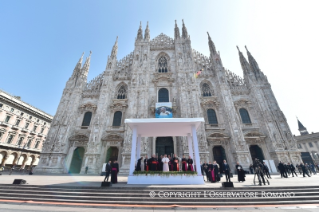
23, 130
243, 118
308, 145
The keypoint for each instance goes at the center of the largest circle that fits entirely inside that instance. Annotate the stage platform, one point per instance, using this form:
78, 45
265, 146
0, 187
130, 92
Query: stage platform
166, 180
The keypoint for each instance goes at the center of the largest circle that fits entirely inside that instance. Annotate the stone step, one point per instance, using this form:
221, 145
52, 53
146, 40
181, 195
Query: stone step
141, 195
211, 202
300, 192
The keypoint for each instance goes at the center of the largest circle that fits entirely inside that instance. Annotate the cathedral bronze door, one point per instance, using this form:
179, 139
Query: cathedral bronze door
219, 156
77, 159
112, 154
164, 145
256, 152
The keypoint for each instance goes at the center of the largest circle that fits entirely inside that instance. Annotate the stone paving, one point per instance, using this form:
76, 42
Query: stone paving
95, 181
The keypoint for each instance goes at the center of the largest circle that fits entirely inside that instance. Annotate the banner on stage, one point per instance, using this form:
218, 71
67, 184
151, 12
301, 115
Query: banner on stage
164, 110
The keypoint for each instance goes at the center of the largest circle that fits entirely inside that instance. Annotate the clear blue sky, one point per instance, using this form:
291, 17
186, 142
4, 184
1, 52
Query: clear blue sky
41, 41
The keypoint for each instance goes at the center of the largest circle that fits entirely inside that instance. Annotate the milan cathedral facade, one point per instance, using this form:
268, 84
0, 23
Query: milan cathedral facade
243, 118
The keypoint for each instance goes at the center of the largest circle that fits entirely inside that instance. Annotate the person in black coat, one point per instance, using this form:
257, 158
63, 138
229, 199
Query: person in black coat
160, 163
190, 164
240, 172
107, 171
304, 170
146, 165
251, 168
152, 163
292, 169
205, 168
184, 163
266, 170
281, 168
226, 170
216, 171
138, 165
114, 170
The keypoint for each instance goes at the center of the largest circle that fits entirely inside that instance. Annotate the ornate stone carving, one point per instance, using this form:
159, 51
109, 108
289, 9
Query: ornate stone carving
118, 105
254, 137
79, 137
112, 137
162, 42
88, 107
209, 102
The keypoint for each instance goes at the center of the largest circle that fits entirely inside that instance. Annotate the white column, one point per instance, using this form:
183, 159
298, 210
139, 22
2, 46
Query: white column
138, 147
196, 151
190, 145
133, 151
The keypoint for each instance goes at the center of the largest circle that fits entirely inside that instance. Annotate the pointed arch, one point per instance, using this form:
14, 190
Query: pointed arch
163, 95
244, 116
212, 118
121, 91
162, 63
87, 119
117, 119
206, 88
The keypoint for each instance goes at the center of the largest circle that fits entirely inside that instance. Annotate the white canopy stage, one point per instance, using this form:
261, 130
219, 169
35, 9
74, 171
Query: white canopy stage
162, 127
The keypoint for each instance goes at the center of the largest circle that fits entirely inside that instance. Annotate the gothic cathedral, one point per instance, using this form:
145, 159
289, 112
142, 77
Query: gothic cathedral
243, 118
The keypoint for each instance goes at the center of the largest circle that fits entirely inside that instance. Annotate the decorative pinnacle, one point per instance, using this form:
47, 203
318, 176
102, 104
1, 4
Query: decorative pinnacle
90, 53
238, 48
147, 24
140, 24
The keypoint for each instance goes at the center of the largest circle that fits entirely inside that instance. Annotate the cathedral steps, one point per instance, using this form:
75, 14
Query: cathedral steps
127, 195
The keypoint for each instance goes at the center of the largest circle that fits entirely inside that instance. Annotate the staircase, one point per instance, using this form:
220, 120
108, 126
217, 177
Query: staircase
197, 196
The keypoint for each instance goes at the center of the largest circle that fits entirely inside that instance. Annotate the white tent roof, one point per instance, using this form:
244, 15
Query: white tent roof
154, 127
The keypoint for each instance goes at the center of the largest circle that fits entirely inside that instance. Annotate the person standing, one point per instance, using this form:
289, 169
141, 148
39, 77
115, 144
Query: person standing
266, 170
175, 163
259, 171
240, 173
114, 171
153, 163
170, 163
165, 162
184, 163
138, 165
292, 170
251, 168
86, 169
205, 168
211, 176
304, 170
190, 164
107, 171
226, 170
312, 167
282, 170
31, 170
12, 168
146, 165
142, 165
216, 171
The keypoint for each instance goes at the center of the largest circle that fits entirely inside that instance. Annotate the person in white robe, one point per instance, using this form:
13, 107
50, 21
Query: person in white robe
165, 161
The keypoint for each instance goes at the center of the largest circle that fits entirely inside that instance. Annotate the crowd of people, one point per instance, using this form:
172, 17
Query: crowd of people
289, 169
164, 163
